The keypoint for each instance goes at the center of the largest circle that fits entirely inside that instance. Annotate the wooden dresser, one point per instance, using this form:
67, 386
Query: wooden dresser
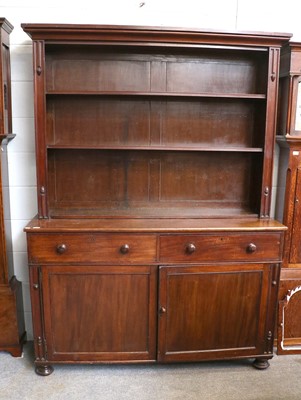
154, 155
289, 198
12, 327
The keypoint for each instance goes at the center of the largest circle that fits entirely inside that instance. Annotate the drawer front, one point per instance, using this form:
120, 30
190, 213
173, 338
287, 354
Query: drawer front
108, 248
223, 247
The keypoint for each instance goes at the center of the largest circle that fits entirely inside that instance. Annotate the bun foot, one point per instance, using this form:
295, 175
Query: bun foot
44, 370
15, 351
261, 363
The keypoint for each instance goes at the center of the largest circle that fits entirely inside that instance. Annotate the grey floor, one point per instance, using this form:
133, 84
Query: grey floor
210, 380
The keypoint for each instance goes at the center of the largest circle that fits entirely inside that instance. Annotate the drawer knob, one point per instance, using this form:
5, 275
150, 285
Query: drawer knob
251, 248
61, 248
190, 248
124, 249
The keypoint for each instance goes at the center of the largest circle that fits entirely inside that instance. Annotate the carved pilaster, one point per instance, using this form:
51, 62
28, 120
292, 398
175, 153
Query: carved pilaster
40, 125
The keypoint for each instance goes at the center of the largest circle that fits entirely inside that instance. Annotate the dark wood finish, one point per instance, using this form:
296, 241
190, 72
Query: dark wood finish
154, 225
130, 88
156, 123
69, 281
12, 325
100, 312
288, 206
12, 328
167, 183
124, 249
198, 323
234, 247
154, 159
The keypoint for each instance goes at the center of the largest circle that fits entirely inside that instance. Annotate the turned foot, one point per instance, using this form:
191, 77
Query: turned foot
44, 370
261, 363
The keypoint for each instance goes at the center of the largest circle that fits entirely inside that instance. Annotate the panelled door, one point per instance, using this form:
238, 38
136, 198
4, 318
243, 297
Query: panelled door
211, 312
100, 313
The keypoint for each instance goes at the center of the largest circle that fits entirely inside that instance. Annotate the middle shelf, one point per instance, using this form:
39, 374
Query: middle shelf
137, 123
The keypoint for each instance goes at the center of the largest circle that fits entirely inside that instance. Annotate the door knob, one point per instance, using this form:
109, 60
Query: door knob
190, 248
124, 249
162, 310
61, 248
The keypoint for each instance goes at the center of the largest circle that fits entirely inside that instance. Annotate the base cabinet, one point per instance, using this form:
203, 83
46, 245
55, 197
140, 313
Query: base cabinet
203, 296
12, 324
288, 198
289, 325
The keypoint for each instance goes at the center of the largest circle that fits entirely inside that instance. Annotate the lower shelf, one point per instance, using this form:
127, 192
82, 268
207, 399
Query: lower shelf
152, 184
155, 211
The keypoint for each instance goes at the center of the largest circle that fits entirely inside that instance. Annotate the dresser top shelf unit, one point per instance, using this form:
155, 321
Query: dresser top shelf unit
146, 122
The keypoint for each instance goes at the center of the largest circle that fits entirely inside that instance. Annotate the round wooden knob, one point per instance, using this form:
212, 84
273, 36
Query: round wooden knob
190, 248
251, 248
61, 248
124, 249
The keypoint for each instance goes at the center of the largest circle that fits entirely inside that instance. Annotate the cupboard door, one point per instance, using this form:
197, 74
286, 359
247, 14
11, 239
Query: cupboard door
213, 312
94, 313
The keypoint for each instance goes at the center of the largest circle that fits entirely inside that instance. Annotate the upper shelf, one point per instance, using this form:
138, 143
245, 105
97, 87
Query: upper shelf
251, 96
163, 148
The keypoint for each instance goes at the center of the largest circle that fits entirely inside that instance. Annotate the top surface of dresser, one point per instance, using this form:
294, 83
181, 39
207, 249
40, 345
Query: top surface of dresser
153, 225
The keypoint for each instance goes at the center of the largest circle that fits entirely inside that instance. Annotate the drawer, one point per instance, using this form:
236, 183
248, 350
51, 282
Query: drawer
223, 247
86, 248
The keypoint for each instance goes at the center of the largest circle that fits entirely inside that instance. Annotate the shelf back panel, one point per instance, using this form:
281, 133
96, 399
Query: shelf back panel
96, 68
99, 121
123, 181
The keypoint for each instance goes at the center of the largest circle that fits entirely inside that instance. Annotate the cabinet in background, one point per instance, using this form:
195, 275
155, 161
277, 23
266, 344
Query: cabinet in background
289, 197
12, 328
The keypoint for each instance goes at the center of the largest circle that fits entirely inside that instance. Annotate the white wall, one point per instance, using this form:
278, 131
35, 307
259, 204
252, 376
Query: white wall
255, 15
